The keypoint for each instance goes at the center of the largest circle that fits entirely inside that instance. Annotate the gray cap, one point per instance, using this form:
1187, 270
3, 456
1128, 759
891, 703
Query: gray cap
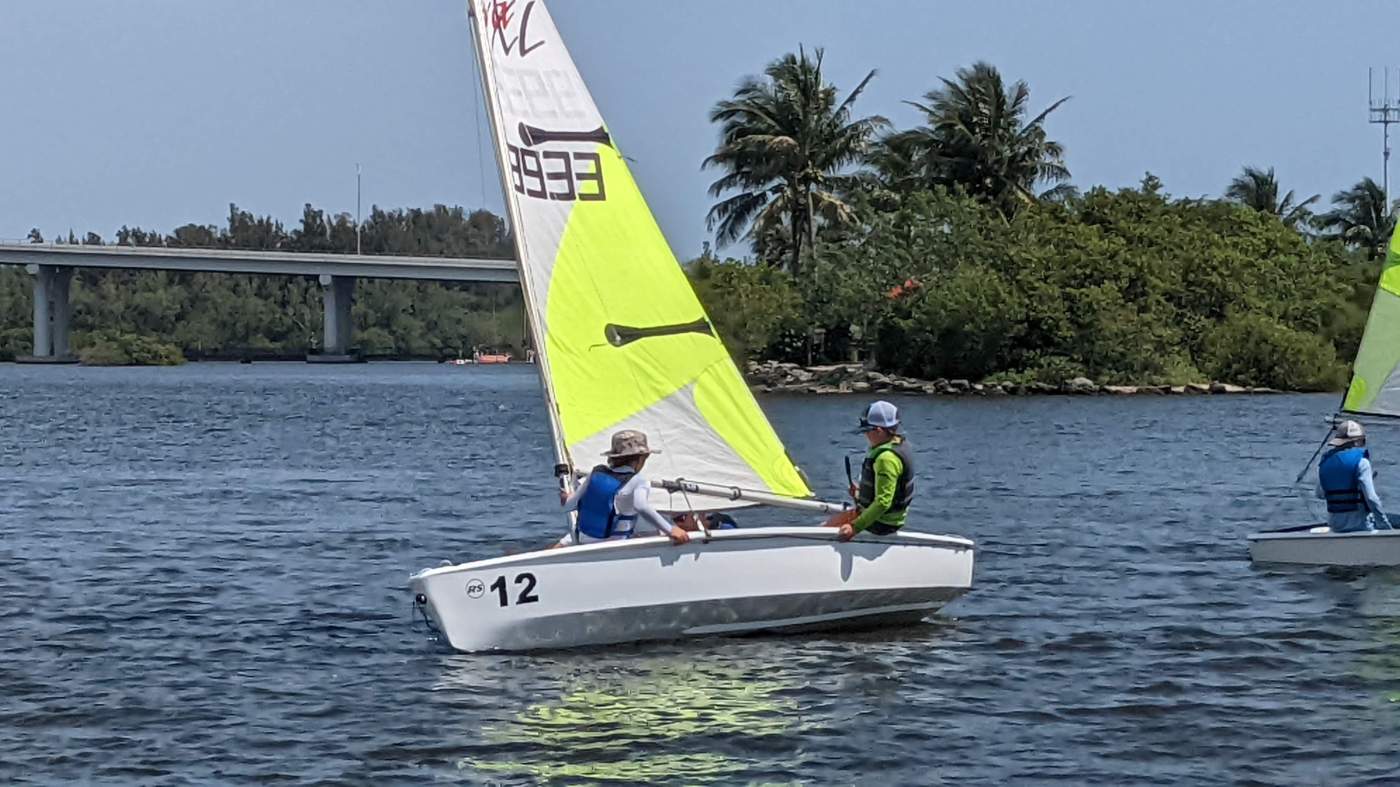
629, 442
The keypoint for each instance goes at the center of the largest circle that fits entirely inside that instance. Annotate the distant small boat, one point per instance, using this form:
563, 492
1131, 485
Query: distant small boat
482, 357
490, 357
1317, 545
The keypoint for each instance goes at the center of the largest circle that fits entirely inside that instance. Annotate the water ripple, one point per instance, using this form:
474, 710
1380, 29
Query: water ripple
201, 573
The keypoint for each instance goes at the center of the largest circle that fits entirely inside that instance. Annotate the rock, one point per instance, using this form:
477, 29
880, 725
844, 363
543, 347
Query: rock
823, 390
1079, 385
1264, 391
960, 386
1177, 389
1121, 390
1197, 388
763, 389
1155, 390
1042, 389
996, 389
860, 386
979, 388
1226, 388
930, 389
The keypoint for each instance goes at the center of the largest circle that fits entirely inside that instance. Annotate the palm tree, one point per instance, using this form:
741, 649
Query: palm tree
1359, 217
1258, 189
976, 136
786, 144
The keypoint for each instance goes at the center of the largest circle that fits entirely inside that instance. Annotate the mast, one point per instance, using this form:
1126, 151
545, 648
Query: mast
563, 462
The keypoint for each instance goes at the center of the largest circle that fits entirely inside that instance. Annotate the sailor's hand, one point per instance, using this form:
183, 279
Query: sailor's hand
679, 536
852, 489
846, 533
563, 496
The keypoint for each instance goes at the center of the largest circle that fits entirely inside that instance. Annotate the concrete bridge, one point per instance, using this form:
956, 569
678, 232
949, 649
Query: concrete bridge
52, 266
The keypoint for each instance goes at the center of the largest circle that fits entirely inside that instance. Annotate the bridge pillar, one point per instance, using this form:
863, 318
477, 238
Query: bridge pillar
51, 315
337, 294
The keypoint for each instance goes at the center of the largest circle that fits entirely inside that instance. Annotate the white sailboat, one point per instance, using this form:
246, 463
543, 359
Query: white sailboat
1374, 392
625, 344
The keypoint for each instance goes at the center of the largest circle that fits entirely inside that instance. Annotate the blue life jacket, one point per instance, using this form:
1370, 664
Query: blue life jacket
597, 514
1340, 480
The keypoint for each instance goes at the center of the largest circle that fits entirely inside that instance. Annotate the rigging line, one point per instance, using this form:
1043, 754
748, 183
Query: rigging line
480, 156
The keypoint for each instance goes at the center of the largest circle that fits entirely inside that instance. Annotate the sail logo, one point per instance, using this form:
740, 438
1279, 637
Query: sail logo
502, 14
560, 175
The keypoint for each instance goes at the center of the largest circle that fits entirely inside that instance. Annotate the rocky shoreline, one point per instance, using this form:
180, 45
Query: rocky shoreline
777, 377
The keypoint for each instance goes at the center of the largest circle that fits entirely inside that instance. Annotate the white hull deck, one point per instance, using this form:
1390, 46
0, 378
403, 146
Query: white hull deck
738, 581
1319, 546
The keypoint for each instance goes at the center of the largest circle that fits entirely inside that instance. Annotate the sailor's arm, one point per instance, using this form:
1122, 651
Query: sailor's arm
571, 502
641, 503
1367, 481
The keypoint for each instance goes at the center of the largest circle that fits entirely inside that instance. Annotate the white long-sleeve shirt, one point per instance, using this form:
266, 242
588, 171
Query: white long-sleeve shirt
633, 499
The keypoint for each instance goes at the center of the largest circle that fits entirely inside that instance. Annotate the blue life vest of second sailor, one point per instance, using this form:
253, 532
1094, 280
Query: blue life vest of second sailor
1339, 478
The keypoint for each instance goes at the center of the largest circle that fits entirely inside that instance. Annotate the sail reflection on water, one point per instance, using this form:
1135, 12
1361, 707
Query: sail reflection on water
661, 718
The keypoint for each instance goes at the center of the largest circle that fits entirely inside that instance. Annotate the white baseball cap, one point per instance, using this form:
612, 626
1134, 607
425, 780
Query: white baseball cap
879, 414
1346, 432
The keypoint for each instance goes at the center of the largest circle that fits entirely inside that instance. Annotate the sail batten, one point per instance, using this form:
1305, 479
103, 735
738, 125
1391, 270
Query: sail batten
623, 341
1375, 382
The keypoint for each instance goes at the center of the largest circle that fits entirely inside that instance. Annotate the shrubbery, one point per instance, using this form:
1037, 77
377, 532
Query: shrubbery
108, 348
1254, 349
1123, 287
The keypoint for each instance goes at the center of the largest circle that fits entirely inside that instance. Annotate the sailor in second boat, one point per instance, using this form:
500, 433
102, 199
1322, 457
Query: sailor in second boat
886, 478
614, 496
1344, 480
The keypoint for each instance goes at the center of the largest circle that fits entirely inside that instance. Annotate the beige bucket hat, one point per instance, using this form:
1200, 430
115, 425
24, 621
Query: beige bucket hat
630, 442
1346, 432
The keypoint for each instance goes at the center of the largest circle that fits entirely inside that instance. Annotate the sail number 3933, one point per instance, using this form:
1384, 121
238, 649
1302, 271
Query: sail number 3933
526, 584
556, 174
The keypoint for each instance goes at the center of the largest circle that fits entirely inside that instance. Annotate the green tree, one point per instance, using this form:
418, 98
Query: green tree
749, 304
976, 136
786, 144
1360, 218
1259, 189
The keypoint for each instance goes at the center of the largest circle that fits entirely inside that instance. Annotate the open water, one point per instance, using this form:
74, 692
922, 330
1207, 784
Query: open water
202, 570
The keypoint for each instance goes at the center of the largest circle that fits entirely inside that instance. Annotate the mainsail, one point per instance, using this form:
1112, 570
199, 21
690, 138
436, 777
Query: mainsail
623, 341
1375, 382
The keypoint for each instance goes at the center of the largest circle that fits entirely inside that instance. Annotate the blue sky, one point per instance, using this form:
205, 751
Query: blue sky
161, 112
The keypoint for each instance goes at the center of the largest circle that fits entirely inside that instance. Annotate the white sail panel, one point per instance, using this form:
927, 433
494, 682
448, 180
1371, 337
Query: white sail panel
622, 339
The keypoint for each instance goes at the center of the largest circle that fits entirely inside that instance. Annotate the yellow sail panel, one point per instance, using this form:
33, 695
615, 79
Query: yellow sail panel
1375, 382
623, 341
633, 348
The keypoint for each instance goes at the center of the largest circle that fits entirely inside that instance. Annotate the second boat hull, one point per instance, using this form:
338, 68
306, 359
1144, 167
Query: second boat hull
1319, 546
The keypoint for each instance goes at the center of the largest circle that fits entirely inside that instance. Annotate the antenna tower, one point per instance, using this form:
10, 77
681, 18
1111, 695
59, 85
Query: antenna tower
1385, 110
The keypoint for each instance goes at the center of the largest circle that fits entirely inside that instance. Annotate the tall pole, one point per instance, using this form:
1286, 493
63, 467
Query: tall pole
1385, 112
357, 208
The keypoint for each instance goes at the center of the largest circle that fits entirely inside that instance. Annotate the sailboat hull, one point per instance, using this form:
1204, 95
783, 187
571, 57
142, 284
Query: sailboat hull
1322, 547
738, 581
